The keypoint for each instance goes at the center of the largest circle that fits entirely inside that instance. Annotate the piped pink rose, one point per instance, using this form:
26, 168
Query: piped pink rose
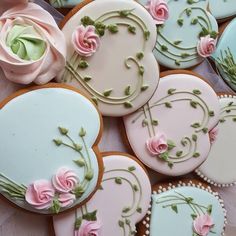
159, 11
157, 145
64, 180
66, 199
85, 40
213, 134
89, 228
40, 194
203, 224
206, 46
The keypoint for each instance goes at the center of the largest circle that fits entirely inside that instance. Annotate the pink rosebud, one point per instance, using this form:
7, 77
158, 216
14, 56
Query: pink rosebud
85, 40
203, 224
157, 145
206, 46
159, 11
40, 194
64, 180
213, 134
91, 228
66, 199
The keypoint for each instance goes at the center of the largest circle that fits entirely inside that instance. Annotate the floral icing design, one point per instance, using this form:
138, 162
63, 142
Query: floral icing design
201, 215
91, 228
166, 149
203, 224
213, 134
32, 47
85, 40
158, 10
64, 187
206, 46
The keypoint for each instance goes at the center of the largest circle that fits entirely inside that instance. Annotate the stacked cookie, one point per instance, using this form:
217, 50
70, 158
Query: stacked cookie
118, 58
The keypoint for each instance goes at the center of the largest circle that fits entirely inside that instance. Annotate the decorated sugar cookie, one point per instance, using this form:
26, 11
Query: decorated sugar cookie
110, 55
219, 168
170, 133
222, 9
49, 159
64, 3
186, 31
184, 208
32, 47
120, 203
225, 55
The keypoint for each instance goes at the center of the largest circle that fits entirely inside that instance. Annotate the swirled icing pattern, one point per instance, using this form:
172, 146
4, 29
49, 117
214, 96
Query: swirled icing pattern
25, 42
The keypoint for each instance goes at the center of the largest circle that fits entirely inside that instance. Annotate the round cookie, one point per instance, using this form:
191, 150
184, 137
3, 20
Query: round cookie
184, 208
119, 76
49, 159
224, 56
170, 133
121, 202
219, 168
184, 32
222, 9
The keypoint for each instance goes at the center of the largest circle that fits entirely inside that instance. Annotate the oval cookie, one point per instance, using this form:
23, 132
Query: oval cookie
179, 32
170, 133
224, 55
184, 208
118, 75
219, 168
49, 159
121, 202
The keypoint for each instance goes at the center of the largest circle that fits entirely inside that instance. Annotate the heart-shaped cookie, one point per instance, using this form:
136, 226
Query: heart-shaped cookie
110, 56
49, 158
219, 168
184, 208
170, 133
120, 203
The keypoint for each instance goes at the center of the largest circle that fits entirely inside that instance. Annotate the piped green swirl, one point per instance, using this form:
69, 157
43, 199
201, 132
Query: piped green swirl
25, 42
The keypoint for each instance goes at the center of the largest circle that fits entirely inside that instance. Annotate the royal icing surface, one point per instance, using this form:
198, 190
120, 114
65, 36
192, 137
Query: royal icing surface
47, 134
170, 133
194, 210
224, 55
222, 9
219, 167
120, 203
179, 48
64, 3
32, 48
118, 75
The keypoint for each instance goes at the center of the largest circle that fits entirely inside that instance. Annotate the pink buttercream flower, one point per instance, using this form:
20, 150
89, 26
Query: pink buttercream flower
206, 46
85, 40
159, 11
66, 199
213, 134
203, 224
89, 228
40, 194
64, 180
157, 145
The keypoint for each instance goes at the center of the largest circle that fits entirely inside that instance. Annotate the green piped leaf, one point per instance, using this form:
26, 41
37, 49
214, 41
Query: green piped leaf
171, 91
179, 153
164, 48
205, 130
144, 122
209, 209
197, 92
87, 78
195, 125
146, 35
194, 21
55, 208
164, 156
194, 216
196, 154
194, 137
170, 164
86, 20
180, 21
188, 11
139, 210
78, 223
128, 104
80, 162
177, 63
127, 90
112, 28
185, 55
168, 105
126, 209
100, 28
89, 175
58, 142
118, 180
121, 223
193, 104
144, 88
177, 42
95, 100
107, 92
211, 113
155, 122
135, 187
174, 208
132, 168
79, 191
83, 64
125, 13
170, 144
132, 29
90, 216
82, 132
63, 131
140, 55
141, 70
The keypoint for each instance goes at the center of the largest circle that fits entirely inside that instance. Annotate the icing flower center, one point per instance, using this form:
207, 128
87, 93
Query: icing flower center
25, 42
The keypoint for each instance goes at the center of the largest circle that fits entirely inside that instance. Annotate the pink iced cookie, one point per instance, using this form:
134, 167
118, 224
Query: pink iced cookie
170, 133
121, 202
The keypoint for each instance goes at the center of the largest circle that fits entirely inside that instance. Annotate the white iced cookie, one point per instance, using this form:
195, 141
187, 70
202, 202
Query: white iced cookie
121, 202
219, 168
110, 55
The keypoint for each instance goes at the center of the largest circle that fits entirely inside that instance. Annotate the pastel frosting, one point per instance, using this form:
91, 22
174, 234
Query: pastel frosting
194, 211
32, 48
173, 127
120, 203
64, 3
54, 138
222, 156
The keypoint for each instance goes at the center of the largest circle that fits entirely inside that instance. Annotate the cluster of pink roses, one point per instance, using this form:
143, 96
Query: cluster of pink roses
203, 224
41, 193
